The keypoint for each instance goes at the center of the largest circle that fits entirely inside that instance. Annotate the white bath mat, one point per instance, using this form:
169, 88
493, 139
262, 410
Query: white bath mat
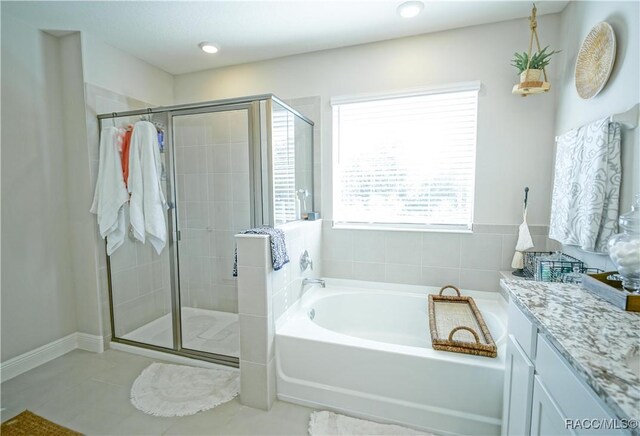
332, 424
176, 390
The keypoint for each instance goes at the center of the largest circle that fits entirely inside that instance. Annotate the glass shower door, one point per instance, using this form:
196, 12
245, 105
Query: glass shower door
140, 279
213, 204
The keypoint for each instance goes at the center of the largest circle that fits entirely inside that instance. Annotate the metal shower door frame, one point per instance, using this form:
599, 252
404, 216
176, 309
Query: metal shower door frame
174, 246
259, 109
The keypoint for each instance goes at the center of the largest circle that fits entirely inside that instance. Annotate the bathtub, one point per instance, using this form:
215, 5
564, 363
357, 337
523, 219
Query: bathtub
365, 349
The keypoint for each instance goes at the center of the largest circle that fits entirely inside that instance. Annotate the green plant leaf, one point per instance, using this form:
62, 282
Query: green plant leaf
539, 60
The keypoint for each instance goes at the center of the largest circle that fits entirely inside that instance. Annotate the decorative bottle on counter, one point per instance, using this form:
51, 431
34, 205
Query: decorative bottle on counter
624, 248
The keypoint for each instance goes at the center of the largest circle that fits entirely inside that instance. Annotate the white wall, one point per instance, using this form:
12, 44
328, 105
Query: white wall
514, 149
55, 282
621, 92
113, 69
515, 135
76, 152
38, 283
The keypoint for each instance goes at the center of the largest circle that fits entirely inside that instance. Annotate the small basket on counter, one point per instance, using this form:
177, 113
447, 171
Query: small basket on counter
457, 325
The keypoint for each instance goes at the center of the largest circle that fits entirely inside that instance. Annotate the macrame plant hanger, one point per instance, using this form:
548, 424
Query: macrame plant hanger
532, 87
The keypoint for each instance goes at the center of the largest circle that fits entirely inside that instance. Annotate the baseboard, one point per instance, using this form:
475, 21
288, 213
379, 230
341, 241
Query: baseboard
89, 342
31, 359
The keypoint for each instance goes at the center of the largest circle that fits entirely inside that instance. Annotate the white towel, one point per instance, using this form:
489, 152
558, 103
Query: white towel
111, 193
148, 204
586, 187
524, 242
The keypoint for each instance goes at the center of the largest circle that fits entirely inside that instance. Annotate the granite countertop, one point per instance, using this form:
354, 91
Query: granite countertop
592, 335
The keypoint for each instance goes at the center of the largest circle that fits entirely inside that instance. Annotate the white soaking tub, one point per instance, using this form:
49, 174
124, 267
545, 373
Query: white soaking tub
367, 352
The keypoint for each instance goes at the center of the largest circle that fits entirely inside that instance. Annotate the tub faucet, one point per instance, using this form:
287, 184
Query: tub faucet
308, 281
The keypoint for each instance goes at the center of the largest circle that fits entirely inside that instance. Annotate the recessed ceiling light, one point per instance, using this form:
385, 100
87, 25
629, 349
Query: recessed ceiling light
410, 9
208, 47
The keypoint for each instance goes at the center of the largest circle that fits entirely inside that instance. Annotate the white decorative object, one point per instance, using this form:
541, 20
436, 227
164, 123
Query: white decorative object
595, 60
329, 423
176, 390
624, 248
586, 187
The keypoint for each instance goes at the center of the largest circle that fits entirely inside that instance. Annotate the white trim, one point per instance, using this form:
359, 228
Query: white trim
41, 355
411, 92
93, 343
31, 359
402, 227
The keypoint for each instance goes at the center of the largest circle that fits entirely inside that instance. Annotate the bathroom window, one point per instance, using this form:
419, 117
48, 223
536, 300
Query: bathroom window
406, 160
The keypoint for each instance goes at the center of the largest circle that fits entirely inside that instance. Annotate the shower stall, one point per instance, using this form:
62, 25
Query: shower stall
227, 166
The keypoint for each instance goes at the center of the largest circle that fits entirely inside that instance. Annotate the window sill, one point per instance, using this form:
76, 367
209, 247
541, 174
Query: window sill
399, 228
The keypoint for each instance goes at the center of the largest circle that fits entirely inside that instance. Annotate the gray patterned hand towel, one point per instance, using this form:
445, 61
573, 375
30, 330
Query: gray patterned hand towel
586, 188
279, 255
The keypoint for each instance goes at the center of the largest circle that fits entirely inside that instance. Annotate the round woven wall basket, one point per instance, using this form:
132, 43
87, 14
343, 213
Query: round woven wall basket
595, 60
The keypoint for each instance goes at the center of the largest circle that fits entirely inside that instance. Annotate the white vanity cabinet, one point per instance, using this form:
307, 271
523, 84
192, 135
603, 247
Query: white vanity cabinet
518, 384
519, 373
541, 391
546, 416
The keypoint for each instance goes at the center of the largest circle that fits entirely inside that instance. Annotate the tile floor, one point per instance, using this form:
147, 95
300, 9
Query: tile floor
89, 393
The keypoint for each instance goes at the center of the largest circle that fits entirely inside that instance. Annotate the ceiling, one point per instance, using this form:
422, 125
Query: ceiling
166, 33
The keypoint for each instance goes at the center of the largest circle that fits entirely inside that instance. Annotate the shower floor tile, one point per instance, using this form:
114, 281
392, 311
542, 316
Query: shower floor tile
210, 331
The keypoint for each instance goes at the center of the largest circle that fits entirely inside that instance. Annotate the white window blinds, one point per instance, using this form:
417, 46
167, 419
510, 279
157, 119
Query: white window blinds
284, 176
406, 159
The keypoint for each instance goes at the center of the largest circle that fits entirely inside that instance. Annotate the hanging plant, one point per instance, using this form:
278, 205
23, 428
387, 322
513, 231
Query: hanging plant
531, 65
539, 60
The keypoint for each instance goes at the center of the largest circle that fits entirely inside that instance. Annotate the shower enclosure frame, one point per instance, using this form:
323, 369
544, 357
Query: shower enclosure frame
260, 142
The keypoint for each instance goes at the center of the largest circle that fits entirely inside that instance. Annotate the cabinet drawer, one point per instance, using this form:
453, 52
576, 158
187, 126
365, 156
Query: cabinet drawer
573, 396
522, 330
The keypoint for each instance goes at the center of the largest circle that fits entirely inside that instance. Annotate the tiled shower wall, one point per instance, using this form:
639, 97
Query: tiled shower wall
471, 261
212, 165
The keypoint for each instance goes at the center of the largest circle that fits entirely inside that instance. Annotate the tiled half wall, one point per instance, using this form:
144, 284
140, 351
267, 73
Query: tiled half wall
263, 296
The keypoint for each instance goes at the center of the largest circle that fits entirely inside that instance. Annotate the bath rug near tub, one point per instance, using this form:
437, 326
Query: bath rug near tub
176, 390
30, 424
326, 423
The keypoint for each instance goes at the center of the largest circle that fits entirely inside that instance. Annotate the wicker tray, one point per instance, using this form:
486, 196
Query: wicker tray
459, 316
